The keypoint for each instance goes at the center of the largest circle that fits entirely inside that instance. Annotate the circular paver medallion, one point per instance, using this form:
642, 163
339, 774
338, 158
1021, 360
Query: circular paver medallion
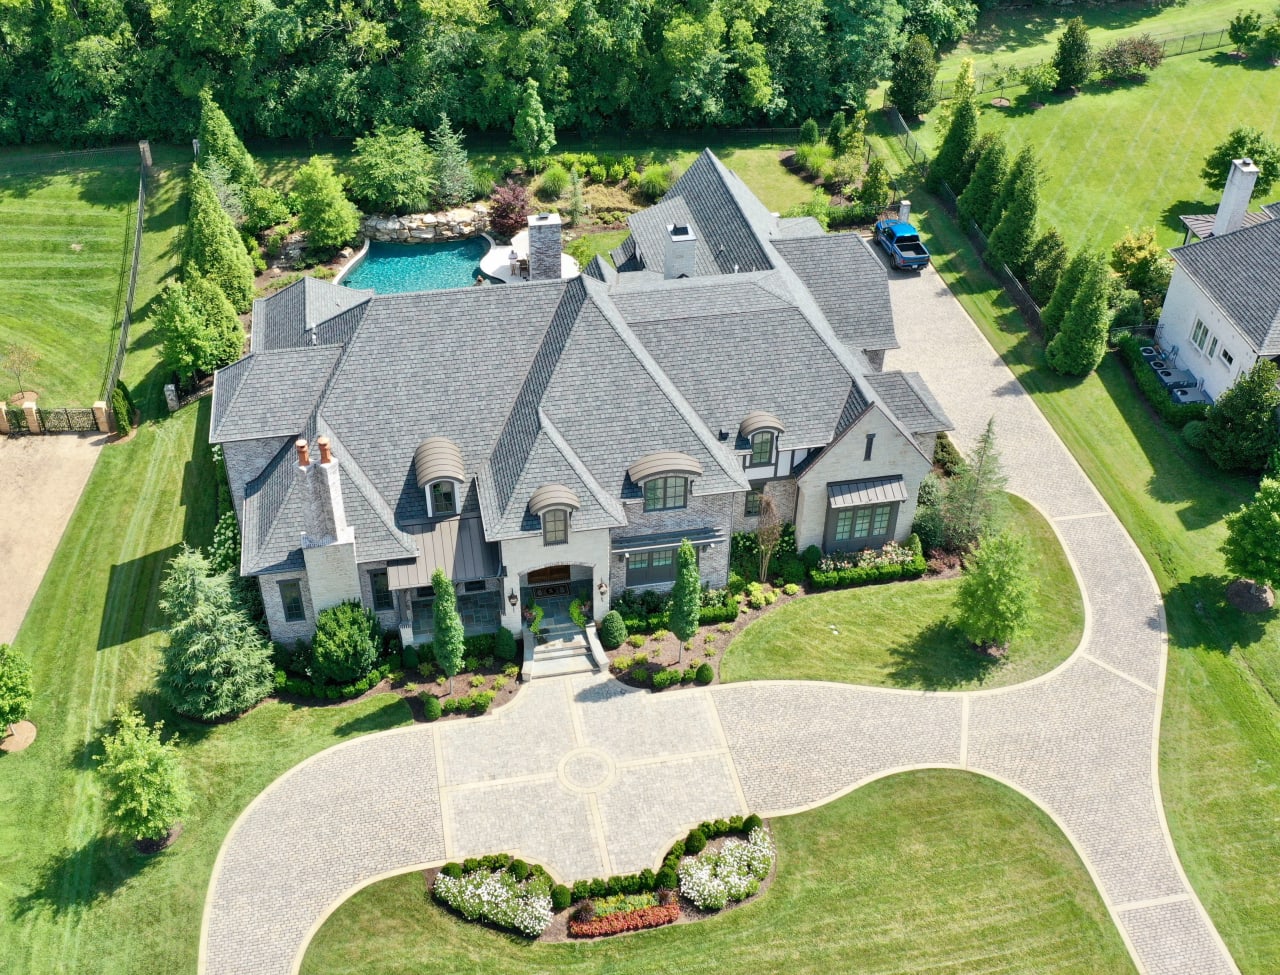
585, 770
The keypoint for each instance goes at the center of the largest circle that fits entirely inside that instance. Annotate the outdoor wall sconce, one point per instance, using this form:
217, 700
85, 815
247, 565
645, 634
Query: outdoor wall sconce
512, 598
603, 588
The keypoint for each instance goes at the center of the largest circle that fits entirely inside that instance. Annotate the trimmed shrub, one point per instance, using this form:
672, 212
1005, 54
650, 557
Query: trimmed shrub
120, 407
561, 897
504, 645
1195, 433
431, 706
752, 823
409, 657
613, 631
665, 678
705, 674
695, 842
667, 879
346, 643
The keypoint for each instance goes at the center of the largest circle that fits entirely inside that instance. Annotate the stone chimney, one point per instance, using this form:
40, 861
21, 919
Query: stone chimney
904, 211
544, 247
328, 542
1235, 197
677, 262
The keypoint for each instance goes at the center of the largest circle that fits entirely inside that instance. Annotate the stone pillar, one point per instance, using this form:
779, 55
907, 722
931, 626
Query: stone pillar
544, 247
4, 419
33, 418
171, 397
101, 417
144, 149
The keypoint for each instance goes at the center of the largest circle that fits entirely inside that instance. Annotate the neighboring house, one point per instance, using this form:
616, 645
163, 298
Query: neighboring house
1222, 310
560, 438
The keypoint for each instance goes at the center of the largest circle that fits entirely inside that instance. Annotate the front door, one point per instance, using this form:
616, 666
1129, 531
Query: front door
551, 574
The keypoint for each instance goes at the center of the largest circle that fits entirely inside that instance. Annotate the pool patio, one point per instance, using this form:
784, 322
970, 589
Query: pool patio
510, 264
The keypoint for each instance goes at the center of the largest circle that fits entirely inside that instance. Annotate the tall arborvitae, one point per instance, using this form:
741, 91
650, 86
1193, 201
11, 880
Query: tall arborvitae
1013, 236
980, 196
219, 141
1063, 294
213, 247
949, 164
1079, 346
1045, 265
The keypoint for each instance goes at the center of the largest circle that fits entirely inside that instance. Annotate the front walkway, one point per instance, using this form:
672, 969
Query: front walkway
588, 777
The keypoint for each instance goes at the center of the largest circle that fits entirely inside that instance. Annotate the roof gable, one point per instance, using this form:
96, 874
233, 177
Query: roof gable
1240, 271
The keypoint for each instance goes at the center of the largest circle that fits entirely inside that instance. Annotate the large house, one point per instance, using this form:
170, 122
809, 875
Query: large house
560, 438
1222, 310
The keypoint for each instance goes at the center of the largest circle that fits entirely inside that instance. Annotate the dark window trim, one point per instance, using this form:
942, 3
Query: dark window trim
298, 615
758, 497
752, 461
855, 543
435, 508
386, 591
561, 529
667, 492
642, 572
871, 442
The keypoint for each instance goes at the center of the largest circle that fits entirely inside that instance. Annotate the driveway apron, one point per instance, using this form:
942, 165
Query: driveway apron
588, 777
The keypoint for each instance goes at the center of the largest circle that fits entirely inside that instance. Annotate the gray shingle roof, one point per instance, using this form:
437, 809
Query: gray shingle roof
1240, 271
1201, 224
282, 320
849, 284
270, 394
906, 395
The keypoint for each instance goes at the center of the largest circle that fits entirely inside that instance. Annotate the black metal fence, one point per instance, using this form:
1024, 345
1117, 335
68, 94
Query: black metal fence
910, 145
1000, 271
122, 336
66, 420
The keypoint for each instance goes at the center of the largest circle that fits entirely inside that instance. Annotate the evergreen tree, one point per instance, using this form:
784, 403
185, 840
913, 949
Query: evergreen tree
146, 784
980, 195
973, 506
325, 214
686, 595
1243, 142
392, 171
876, 190
447, 639
911, 88
218, 140
1014, 235
1047, 261
454, 183
1074, 57
15, 688
347, 643
213, 247
948, 166
577, 205
970, 161
1242, 423
996, 597
533, 132
1079, 346
1252, 547
1064, 294
836, 137
809, 134
216, 662
221, 334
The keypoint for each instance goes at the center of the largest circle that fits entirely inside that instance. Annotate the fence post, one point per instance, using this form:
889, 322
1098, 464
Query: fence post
4, 419
33, 418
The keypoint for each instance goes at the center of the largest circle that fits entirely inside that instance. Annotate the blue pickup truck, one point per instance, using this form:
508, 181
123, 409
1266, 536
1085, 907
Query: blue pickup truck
903, 245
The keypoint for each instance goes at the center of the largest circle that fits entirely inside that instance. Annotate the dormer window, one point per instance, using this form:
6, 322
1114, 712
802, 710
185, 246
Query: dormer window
665, 478
662, 493
444, 499
762, 448
555, 527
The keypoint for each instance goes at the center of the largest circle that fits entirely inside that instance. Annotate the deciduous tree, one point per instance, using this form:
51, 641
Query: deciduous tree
1244, 142
1143, 264
146, 784
1243, 28
18, 360
325, 214
1074, 56
447, 638
912, 86
996, 598
215, 663
1252, 546
1242, 423
15, 688
392, 171
1080, 344
768, 534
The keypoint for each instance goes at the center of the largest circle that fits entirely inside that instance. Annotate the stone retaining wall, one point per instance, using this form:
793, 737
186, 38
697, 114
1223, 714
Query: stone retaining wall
414, 228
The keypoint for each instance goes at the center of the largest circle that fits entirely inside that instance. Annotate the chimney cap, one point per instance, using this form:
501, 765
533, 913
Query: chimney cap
680, 231
304, 452
326, 455
544, 219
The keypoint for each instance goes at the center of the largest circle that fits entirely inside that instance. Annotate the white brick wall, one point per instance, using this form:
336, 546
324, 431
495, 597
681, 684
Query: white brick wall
892, 454
331, 573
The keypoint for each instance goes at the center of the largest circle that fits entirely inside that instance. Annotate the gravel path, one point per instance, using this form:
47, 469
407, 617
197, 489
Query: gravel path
589, 777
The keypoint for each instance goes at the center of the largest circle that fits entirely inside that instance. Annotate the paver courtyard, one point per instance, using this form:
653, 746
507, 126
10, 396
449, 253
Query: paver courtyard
590, 778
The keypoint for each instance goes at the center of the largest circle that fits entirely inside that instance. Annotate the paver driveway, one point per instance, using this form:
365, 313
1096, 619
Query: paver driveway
588, 777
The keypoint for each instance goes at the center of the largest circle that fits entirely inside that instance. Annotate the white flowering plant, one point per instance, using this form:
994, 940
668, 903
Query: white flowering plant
497, 897
714, 878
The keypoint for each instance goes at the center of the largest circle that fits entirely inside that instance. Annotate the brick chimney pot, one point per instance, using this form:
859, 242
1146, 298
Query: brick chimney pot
326, 455
304, 453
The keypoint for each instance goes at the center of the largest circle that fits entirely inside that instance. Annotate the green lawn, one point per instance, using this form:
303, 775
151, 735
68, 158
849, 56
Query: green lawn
67, 237
1130, 156
73, 898
927, 872
901, 635
1220, 736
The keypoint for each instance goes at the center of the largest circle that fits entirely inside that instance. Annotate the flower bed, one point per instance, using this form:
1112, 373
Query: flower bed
665, 911
894, 561
498, 897
713, 879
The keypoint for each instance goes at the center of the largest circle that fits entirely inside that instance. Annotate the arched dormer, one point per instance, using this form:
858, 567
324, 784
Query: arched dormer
437, 467
761, 431
555, 505
665, 477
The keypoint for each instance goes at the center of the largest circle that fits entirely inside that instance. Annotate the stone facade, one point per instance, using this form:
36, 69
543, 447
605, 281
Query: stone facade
702, 512
415, 228
544, 247
283, 631
521, 556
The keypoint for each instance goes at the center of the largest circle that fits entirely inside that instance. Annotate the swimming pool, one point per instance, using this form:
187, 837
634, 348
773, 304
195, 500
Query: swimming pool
395, 268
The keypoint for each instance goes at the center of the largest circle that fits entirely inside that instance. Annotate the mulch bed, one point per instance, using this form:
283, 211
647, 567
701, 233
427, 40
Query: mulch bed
410, 688
1000, 102
24, 733
151, 847
1244, 596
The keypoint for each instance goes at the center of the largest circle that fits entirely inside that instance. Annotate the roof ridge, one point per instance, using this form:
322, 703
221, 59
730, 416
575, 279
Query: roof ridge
682, 406
608, 503
347, 463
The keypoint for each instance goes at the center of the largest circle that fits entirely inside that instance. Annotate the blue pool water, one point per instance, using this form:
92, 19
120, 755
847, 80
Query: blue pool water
394, 268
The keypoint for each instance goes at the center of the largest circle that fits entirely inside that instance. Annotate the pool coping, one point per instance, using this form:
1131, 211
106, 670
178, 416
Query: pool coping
359, 257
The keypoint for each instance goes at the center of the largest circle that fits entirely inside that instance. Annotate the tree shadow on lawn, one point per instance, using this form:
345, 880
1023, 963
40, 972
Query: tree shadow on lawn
996, 31
392, 713
1171, 216
1225, 59
938, 658
1200, 615
75, 879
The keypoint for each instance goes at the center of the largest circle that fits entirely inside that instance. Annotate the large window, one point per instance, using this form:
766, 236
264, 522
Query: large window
382, 598
662, 493
1202, 340
752, 509
861, 524
291, 600
444, 500
762, 448
651, 568
555, 527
